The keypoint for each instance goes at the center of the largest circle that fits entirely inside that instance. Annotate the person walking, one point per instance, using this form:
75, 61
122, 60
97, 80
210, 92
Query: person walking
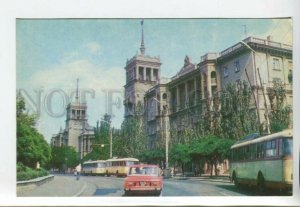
78, 171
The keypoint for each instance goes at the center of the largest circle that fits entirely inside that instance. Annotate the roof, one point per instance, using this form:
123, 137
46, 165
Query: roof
123, 159
144, 165
187, 67
285, 133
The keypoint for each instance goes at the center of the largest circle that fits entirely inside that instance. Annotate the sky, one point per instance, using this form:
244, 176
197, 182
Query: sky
52, 53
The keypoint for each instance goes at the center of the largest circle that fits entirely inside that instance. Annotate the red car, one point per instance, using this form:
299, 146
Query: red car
143, 179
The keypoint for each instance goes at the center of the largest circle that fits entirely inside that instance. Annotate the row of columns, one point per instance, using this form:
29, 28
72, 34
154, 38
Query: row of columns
137, 69
85, 145
206, 81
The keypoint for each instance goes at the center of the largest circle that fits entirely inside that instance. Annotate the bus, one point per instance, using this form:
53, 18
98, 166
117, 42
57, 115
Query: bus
263, 162
96, 167
119, 166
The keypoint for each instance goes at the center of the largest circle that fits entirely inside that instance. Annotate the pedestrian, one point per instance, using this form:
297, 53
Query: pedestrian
78, 170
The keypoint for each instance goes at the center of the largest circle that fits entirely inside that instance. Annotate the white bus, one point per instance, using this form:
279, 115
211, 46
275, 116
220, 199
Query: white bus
96, 167
119, 166
264, 162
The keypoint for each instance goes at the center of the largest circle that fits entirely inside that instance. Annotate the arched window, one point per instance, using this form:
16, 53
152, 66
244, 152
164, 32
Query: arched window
165, 96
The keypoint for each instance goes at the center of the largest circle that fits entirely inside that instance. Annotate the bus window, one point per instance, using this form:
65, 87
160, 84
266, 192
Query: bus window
260, 150
246, 150
271, 148
253, 151
280, 147
288, 146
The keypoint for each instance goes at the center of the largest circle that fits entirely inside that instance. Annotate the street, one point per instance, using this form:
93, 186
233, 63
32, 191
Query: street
87, 186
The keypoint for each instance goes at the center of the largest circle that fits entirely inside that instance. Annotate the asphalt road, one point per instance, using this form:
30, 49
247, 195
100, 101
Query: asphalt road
89, 186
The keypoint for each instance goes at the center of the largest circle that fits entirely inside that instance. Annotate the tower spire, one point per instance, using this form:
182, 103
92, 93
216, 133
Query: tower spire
77, 92
142, 43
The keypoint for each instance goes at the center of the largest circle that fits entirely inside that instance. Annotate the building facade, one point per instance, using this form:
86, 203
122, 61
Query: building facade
77, 133
176, 104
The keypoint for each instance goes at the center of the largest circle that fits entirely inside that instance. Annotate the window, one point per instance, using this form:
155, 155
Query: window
155, 74
141, 73
148, 74
246, 152
226, 73
236, 66
271, 148
288, 146
164, 96
276, 64
260, 153
253, 151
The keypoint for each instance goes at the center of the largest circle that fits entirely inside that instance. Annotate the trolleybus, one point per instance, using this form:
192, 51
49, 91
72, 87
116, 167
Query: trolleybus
264, 162
119, 166
97, 167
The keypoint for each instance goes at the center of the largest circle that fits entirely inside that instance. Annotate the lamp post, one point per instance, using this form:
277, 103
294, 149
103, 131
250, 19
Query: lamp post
263, 89
164, 126
110, 138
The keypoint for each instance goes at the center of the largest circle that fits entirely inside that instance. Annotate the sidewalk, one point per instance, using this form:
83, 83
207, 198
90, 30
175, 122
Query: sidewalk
60, 186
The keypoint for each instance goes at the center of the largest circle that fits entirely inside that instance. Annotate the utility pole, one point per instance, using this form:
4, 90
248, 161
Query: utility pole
265, 100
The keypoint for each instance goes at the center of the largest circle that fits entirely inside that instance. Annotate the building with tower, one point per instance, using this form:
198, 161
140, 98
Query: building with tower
77, 133
142, 73
175, 104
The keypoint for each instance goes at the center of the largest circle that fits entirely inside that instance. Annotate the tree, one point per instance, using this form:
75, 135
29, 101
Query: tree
180, 153
237, 118
133, 135
64, 157
31, 145
280, 113
212, 149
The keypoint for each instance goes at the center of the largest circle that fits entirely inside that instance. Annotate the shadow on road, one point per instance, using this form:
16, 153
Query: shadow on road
105, 191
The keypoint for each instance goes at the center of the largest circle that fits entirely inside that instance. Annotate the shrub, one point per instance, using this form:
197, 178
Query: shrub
26, 173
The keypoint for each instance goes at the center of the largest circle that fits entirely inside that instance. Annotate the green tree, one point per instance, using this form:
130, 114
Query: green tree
153, 156
31, 145
212, 150
180, 154
64, 157
237, 118
133, 135
280, 112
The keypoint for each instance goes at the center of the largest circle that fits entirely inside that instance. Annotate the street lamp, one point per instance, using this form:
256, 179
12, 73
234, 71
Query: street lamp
266, 107
166, 170
110, 138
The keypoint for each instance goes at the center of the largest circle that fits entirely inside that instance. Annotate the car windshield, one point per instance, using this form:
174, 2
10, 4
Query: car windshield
147, 170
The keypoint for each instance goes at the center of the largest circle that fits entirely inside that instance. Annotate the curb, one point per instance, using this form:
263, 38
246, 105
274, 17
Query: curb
31, 184
203, 179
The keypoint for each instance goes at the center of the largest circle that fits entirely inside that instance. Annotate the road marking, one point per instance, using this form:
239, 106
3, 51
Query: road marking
80, 192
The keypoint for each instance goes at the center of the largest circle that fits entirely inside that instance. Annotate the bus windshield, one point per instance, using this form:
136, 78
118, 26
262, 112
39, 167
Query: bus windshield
288, 146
